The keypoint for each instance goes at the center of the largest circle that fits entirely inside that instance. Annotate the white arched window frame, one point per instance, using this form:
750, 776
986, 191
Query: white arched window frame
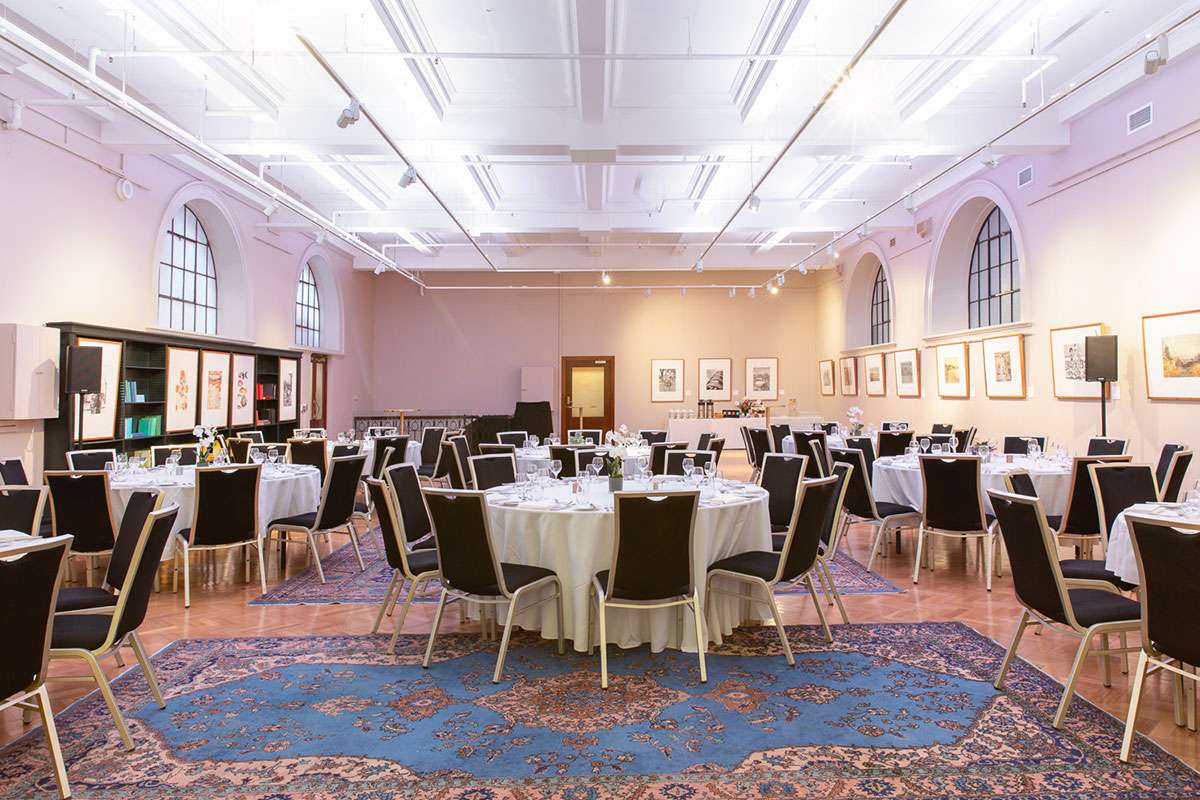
308, 310
868, 262
318, 261
187, 277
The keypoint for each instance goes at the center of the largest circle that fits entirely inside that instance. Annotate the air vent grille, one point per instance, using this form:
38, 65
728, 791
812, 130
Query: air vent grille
1025, 177
1139, 118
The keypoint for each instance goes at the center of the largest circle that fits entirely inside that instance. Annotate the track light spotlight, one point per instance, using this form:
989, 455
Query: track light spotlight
782, 277
1156, 56
647, 292
832, 252
751, 292
379, 268
350, 114
699, 265
408, 178
988, 157
754, 203
732, 291
682, 292
772, 288
803, 268
321, 236
910, 204
270, 208
862, 233
605, 278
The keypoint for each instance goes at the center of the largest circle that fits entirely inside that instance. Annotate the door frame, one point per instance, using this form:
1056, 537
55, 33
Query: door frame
610, 378
323, 369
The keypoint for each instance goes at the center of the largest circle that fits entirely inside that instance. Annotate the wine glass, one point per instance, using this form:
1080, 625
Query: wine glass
710, 469
555, 467
689, 466
953, 443
273, 455
530, 472
924, 442
597, 466
533, 441
122, 462
1033, 449
257, 456
643, 466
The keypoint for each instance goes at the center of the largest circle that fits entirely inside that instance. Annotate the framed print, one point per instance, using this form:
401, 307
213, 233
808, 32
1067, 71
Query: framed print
762, 378
289, 388
715, 378
1004, 366
826, 377
241, 391
953, 372
183, 379
214, 389
100, 408
908, 373
1172, 347
875, 379
1067, 363
848, 372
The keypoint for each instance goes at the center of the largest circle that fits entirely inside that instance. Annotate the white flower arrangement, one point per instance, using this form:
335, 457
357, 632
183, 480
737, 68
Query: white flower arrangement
622, 437
205, 436
855, 414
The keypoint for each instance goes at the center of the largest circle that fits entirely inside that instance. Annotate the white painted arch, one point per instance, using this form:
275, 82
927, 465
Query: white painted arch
859, 285
319, 260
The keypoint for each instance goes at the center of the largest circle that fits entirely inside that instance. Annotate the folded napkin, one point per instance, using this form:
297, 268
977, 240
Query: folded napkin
540, 505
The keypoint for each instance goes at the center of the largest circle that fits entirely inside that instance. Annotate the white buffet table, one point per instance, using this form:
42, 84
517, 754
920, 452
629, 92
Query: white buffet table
689, 430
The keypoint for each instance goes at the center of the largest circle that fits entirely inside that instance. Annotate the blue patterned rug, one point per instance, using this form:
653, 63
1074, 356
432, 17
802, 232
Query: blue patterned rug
345, 583
899, 710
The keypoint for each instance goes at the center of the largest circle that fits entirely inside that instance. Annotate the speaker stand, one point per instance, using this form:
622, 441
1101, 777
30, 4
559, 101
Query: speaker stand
77, 439
1104, 408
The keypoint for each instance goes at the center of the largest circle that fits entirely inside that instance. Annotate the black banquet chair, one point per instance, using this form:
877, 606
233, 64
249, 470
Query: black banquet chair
1102, 446
779, 435
82, 507
12, 472
654, 436
953, 507
189, 454
1173, 464
1117, 487
90, 460
675, 459
431, 450
566, 455
490, 471
802, 444
21, 508
515, 438
1019, 445
225, 515
651, 562
379, 448
594, 434
137, 509
335, 512
758, 444
894, 443
861, 505
239, 449
309, 452
471, 569
29, 579
780, 477
658, 455
942, 427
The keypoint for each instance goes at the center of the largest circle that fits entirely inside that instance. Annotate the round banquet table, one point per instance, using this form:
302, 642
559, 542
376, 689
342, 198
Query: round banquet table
283, 491
1119, 557
577, 543
897, 479
539, 456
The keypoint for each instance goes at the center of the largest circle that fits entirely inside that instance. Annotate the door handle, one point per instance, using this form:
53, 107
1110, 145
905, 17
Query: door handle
568, 399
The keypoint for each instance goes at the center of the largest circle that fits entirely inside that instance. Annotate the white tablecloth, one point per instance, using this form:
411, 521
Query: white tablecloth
897, 479
412, 454
284, 490
539, 457
1120, 558
578, 544
689, 430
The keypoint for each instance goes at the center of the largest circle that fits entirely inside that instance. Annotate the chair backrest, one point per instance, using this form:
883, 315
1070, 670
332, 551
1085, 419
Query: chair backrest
21, 508
942, 427
655, 436
893, 443
964, 436
337, 495
1164, 461
1082, 517
391, 526
951, 488
12, 472
801, 442
189, 454
134, 595
1101, 446
449, 466
466, 555
748, 446
515, 438
859, 500
895, 426
658, 455
675, 458
867, 447
239, 449
806, 528
1168, 559
90, 460
820, 457
493, 470
760, 444
1177, 467
1032, 554
490, 449
717, 445
595, 434
584, 456
841, 474
343, 450
781, 475
830, 428
254, 436
431, 444
943, 439
703, 440
381, 444
779, 434
28, 591
462, 452
405, 485
566, 455
139, 507
1119, 486
652, 545
226, 505
81, 507
1020, 482
310, 452
1019, 445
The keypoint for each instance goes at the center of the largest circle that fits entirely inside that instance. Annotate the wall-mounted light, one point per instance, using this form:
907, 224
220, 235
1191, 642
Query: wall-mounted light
379, 268
321, 236
682, 292
350, 114
754, 203
803, 268
647, 293
782, 278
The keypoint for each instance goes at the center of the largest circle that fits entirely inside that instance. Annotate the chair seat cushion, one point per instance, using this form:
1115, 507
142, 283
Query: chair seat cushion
778, 528
420, 561
361, 507
425, 470
1080, 568
777, 541
515, 576
428, 543
661, 593
296, 521
887, 509
82, 631
756, 563
1054, 522
73, 598
1098, 605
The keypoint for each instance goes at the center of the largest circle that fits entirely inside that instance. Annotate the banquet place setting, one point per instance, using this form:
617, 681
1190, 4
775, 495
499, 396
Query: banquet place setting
598, 399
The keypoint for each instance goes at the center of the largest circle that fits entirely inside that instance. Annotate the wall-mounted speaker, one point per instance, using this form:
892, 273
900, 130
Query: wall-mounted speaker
83, 369
1100, 356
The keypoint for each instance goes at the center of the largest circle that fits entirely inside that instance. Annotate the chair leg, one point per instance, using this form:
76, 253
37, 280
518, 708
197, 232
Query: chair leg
1106, 659
508, 625
602, 613
1178, 696
387, 596
403, 613
824, 587
350, 529
701, 639
139, 650
117, 658
1135, 701
41, 698
837, 596
262, 568
920, 546
787, 647
1081, 655
558, 609
988, 551
592, 622
817, 605
316, 557
437, 622
1022, 623
187, 577
110, 701
879, 531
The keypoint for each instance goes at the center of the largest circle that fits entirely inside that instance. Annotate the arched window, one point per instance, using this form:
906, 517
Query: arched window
187, 277
994, 282
308, 310
881, 310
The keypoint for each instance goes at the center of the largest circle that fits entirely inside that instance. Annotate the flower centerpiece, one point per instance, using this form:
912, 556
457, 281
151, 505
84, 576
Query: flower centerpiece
855, 414
750, 408
621, 439
616, 473
207, 439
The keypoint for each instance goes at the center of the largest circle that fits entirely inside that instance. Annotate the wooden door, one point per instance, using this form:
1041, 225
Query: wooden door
587, 381
317, 410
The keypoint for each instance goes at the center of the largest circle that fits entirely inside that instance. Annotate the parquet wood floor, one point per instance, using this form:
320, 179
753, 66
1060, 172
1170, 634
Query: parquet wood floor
954, 591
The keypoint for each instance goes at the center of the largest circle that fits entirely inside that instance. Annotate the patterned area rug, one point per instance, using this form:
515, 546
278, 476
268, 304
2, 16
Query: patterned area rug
901, 710
344, 583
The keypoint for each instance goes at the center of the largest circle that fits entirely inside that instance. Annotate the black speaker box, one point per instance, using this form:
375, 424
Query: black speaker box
83, 369
1100, 355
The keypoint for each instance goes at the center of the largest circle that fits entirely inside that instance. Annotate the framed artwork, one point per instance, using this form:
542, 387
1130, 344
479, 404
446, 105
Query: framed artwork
289, 389
183, 378
715, 379
241, 391
762, 378
953, 372
875, 379
1004, 366
908, 373
100, 408
826, 377
666, 380
1172, 347
214, 389
849, 376
1067, 363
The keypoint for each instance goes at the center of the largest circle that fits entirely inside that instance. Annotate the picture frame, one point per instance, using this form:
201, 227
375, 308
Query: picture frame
214, 389
1171, 343
874, 376
289, 389
953, 370
848, 376
1068, 365
762, 379
825, 369
907, 372
715, 379
241, 391
666, 380
183, 379
1004, 366
100, 408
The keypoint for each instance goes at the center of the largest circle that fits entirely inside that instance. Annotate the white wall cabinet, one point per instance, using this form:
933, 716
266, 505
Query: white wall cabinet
28, 371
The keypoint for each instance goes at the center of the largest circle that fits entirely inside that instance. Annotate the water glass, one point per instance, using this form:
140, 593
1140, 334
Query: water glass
924, 442
533, 441
953, 444
936, 448
122, 462
1033, 449
689, 466
273, 454
597, 466
710, 469
257, 456
110, 467
555, 468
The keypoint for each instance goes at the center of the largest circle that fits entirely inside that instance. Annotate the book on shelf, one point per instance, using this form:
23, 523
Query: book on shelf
265, 391
134, 393
265, 416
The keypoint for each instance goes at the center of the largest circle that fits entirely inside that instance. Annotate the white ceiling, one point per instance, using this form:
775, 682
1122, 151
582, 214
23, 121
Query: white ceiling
591, 134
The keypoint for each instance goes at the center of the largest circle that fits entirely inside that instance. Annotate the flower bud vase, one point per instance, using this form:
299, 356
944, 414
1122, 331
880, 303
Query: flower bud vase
615, 483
